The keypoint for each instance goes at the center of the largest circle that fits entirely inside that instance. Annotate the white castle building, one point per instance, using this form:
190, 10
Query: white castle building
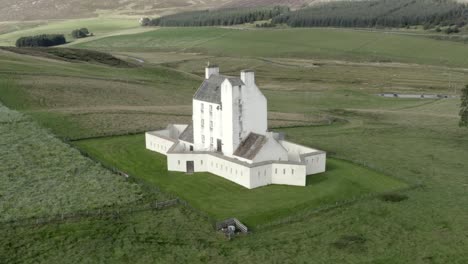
229, 137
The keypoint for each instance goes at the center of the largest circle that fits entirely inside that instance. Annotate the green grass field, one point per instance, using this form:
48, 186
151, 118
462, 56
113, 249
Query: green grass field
223, 199
339, 44
43, 176
319, 74
98, 26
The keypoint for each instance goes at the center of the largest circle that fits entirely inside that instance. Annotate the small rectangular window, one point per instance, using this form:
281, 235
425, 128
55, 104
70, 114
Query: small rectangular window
201, 162
284, 171
178, 162
292, 171
202, 108
211, 125
203, 138
211, 108
203, 123
276, 171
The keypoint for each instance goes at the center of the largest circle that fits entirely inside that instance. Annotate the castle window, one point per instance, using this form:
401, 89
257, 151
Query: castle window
203, 138
203, 123
276, 171
211, 125
178, 162
292, 171
284, 171
202, 108
201, 162
211, 109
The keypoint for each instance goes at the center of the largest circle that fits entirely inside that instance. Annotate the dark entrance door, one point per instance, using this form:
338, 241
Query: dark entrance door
219, 146
190, 167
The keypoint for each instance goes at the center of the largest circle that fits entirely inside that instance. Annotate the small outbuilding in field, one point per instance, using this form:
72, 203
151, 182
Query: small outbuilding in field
229, 137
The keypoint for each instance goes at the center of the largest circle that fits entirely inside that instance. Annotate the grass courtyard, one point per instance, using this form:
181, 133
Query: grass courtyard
222, 199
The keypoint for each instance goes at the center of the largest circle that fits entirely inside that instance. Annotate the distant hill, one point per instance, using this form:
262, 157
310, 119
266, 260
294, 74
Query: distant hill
23, 10
13, 10
379, 13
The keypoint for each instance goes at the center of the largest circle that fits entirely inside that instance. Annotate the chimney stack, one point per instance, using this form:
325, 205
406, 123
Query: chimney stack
210, 70
248, 77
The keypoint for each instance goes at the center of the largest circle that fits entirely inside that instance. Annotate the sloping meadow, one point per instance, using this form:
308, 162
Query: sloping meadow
40, 175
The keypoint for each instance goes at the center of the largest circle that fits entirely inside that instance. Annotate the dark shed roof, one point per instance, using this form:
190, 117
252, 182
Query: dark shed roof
210, 90
250, 147
187, 135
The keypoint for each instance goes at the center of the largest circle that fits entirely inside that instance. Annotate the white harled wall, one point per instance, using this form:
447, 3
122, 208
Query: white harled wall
213, 116
230, 117
158, 144
254, 106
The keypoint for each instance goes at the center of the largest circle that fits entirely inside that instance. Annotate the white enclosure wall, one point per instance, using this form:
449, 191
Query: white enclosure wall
178, 161
289, 174
261, 176
232, 171
158, 144
315, 163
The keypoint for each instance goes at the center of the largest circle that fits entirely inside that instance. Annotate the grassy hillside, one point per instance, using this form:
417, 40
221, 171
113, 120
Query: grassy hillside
98, 26
417, 140
65, 9
40, 175
298, 43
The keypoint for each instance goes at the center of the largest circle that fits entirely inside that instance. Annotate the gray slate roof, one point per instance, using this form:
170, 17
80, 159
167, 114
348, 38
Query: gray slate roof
187, 135
251, 146
210, 89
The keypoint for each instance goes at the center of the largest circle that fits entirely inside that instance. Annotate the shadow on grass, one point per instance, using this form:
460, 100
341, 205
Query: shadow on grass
315, 179
321, 177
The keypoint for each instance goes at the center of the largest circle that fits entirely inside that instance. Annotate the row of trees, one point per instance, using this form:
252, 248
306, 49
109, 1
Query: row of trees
220, 17
41, 40
379, 13
80, 33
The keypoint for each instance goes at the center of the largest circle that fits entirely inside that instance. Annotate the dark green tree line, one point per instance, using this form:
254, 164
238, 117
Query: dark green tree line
219, 17
80, 33
41, 41
379, 13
